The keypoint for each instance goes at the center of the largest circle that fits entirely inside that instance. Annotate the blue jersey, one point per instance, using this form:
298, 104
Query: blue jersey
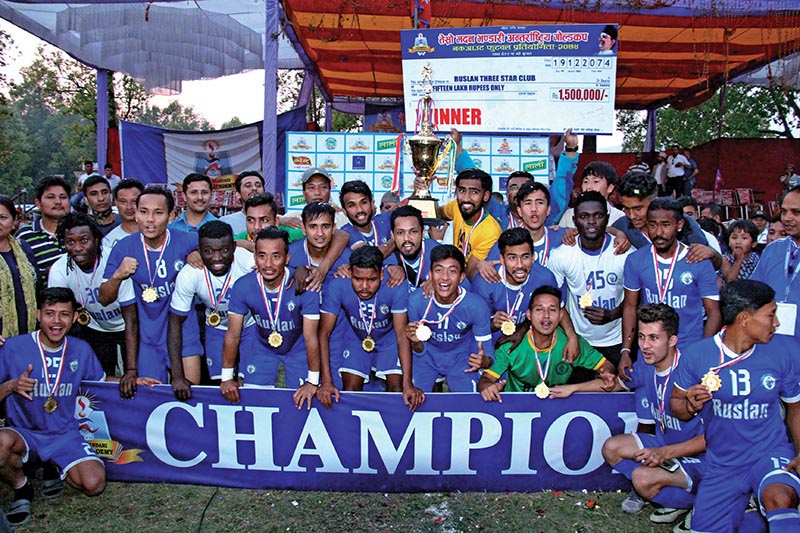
152, 316
541, 249
743, 420
418, 270
459, 333
511, 300
340, 296
298, 256
647, 385
247, 296
773, 269
690, 283
79, 363
380, 231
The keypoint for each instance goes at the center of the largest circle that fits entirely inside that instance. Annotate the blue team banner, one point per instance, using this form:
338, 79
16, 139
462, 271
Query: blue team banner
368, 442
532, 79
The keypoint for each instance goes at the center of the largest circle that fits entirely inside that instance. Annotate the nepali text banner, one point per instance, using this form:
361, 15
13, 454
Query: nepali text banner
534, 79
367, 442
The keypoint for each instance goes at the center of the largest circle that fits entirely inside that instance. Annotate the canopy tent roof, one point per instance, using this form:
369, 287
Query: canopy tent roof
670, 51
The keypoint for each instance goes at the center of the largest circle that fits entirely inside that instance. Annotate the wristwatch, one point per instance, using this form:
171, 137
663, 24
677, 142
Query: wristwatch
571, 148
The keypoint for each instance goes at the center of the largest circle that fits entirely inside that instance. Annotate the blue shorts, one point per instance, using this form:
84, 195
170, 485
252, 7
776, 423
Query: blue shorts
724, 492
259, 364
693, 467
154, 359
384, 359
191, 336
65, 449
214, 340
427, 370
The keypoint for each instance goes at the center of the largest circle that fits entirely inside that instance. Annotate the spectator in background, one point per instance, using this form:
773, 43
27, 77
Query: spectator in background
601, 177
713, 211
639, 164
76, 201
389, 202
676, 165
761, 221
197, 189
98, 196
789, 178
247, 184
17, 278
113, 179
742, 259
52, 199
689, 173
690, 206
126, 195
776, 230
660, 172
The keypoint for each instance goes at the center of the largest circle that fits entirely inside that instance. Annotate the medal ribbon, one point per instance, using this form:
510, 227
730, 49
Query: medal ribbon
465, 246
371, 318
421, 262
461, 294
661, 392
81, 298
590, 286
511, 309
225, 285
791, 252
542, 373
542, 257
152, 276
273, 318
733, 361
51, 390
662, 290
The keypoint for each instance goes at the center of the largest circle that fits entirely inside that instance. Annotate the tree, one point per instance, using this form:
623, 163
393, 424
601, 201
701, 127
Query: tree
235, 122
289, 82
174, 117
747, 112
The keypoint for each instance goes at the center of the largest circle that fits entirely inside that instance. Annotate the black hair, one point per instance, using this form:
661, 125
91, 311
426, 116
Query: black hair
637, 184
448, 251
193, 178
246, 174
746, 226
158, 191
529, 188
742, 295
666, 315
93, 180
356, 186
406, 211
685, 201
273, 233
710, 225
8, 203
475, 174
498, 196
78, 220
108, 165
665, 203
263, 198
317, 209
545, 289
591, 196
714, 209
128, 183
601, 169
215, 229
776, 218
56, 295
88, 162
367, 257
514, 237
51, 181
520, 174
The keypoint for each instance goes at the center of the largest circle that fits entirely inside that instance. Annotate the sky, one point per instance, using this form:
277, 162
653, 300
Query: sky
217, 100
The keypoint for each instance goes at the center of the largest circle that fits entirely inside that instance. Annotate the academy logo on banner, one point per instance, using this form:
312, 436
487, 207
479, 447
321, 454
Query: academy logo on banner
220, 155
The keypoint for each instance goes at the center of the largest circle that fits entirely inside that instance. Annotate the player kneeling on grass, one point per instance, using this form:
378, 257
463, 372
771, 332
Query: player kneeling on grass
736, 381
532, 366
664, 467
449, 330
41, 373
377, 317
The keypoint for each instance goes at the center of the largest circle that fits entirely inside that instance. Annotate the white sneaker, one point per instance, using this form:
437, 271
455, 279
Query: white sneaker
685, 525
633, 503
666, 515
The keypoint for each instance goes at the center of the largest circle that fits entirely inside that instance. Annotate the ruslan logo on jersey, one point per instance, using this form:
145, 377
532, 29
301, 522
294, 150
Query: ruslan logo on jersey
687, 278
768, 381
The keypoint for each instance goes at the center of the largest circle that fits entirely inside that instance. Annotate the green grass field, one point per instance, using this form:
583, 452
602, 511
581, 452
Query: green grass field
164, 507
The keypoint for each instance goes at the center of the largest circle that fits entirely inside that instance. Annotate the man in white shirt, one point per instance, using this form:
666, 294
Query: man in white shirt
676, 163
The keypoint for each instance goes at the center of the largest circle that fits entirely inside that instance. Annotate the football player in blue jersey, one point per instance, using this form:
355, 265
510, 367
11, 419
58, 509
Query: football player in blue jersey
377, 317
735, 382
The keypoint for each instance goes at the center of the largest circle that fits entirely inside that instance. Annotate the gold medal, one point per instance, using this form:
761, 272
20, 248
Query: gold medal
50, 405
711, 381
213, 319
423, 332
663, 423
83, 317
508, 327
542, 390
149, 295
585, 301
368, 344
275, 339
